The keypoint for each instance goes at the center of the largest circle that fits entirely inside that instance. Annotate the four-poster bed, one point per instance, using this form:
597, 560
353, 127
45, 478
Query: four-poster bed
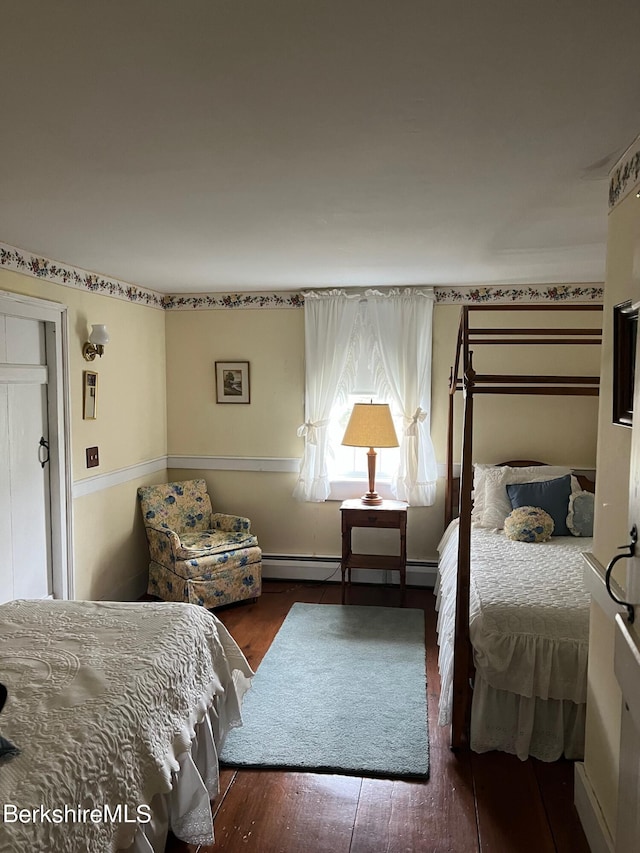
462, 589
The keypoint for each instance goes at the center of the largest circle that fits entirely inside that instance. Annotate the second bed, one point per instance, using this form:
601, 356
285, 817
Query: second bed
529, 629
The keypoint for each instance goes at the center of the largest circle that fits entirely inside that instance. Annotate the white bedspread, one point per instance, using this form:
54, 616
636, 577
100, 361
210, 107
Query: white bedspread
528, 615
104, 701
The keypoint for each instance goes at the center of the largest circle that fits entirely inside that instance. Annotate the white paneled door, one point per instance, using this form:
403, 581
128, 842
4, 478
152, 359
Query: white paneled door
627, 657
36, 556
25, 499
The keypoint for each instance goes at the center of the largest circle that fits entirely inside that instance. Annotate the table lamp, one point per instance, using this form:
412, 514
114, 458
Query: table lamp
371, 425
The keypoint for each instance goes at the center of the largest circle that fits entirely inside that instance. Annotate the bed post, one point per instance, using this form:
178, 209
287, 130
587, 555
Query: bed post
462, 665
454, 385
448, 494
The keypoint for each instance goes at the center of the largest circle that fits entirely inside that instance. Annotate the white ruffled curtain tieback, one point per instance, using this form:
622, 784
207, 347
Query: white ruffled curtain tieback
412, 423
309, 430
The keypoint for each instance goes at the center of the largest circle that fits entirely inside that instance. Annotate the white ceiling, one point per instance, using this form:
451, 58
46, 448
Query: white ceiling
277, 144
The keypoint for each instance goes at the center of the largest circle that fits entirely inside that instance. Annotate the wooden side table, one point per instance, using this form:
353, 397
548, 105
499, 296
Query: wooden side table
388, 514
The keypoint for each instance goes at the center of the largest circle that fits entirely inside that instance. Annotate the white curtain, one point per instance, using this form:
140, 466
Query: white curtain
402, 322
329, 325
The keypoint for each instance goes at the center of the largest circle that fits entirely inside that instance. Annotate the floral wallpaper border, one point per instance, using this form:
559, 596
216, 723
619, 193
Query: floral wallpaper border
43, 268
39, 267
463, 295
625, 174
520, 293
283, 299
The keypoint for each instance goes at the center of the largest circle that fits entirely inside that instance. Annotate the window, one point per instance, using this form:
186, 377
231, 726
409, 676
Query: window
350, 463
347, 465
371, 346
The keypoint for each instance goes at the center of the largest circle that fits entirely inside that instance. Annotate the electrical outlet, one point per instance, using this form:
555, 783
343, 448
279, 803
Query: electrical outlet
92, 457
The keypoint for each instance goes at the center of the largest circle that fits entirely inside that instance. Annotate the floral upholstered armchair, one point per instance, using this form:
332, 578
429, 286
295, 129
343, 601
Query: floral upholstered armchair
197, 555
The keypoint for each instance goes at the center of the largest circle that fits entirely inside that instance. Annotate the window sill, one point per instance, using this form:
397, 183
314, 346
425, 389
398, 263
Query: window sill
343, 490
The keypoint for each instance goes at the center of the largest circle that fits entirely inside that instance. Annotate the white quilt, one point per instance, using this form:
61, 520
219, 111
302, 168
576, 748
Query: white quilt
528, 615
104, 698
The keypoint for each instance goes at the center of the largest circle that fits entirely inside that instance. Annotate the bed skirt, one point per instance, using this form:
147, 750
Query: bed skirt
186, 809
546, 729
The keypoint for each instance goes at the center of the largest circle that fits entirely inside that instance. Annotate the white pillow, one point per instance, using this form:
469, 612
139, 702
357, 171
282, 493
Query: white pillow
480, 476
497, 506
479, 480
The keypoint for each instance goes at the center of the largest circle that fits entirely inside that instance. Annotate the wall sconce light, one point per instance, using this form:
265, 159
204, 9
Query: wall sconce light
98, 338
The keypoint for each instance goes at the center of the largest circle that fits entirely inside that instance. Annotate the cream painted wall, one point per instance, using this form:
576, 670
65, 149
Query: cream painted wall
111, 543
602, 748
130, 427
289, 527
157, 395
272, 340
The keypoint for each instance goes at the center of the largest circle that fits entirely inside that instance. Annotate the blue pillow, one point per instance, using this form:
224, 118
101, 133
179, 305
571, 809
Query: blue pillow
550, 495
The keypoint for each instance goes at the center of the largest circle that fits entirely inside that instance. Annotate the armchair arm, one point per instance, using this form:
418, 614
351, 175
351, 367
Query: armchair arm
230, 523
163, 544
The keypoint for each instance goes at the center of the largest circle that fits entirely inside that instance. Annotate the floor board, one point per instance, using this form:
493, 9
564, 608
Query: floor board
491, 803
555, 782
283, 811
403, 817
509, 805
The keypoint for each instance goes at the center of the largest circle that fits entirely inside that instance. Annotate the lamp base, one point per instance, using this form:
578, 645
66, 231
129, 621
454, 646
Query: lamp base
371, 499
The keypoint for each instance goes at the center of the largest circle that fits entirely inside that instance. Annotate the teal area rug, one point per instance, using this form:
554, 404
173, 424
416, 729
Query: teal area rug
341, 689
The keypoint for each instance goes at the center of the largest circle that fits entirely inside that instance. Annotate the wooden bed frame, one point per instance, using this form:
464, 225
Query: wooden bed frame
464, 378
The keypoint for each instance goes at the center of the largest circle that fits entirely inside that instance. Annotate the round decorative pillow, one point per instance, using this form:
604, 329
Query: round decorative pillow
528, 524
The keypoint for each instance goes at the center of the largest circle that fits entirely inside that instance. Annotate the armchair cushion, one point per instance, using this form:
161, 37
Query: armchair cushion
202, 543
232, 523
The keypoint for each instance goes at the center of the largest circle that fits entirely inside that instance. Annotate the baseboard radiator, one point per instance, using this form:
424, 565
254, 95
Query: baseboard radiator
304, 568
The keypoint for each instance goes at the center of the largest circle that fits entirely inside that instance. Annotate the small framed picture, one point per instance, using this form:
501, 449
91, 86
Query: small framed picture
90, 395
232, 382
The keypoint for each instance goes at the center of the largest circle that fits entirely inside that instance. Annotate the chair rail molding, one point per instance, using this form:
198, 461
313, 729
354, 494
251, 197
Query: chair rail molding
278, 464
90, 485
99, 482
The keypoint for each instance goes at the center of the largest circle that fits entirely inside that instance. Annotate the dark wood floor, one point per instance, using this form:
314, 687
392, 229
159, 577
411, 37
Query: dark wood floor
470, 804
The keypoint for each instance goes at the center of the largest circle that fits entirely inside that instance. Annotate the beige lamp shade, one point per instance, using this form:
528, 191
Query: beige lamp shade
370, 425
